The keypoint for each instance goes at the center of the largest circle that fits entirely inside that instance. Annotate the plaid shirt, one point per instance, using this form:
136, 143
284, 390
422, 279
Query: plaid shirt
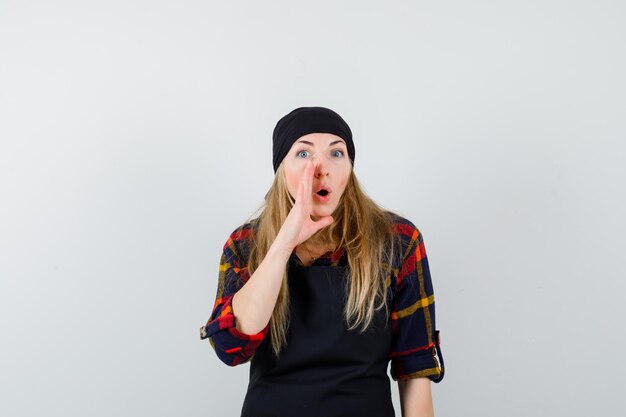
415, 343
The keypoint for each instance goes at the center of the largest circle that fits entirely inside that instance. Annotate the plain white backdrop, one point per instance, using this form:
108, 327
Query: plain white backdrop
136, 135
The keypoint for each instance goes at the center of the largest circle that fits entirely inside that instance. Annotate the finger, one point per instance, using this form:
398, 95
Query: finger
311, 176
327, 221
308, 186
307, 175
301, 201
299, 194
323, 222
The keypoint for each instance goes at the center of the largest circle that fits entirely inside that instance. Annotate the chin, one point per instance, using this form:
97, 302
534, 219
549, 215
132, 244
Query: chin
322, 211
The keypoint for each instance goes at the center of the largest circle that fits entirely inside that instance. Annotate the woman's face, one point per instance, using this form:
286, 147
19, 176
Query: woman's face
332, 169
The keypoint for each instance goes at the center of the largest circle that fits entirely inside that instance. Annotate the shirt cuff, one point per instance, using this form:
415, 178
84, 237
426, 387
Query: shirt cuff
227, 321
421, 363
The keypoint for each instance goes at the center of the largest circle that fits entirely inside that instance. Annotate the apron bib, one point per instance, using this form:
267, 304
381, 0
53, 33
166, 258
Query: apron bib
325, 370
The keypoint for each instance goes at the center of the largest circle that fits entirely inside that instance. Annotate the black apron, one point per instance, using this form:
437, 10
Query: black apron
325, 370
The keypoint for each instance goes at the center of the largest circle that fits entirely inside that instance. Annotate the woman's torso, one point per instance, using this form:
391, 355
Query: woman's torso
324, 370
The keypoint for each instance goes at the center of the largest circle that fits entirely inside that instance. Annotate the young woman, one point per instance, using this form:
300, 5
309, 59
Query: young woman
325, 288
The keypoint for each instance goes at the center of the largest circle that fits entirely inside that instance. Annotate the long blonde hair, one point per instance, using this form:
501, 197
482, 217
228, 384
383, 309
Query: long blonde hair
361, 227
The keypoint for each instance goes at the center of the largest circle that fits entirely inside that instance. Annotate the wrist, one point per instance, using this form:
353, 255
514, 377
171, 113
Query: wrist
281, 249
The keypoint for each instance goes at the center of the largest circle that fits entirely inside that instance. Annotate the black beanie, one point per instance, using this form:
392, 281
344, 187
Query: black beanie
305, 120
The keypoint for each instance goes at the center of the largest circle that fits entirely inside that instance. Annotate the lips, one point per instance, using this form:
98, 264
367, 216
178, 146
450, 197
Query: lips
322, 195
323, 191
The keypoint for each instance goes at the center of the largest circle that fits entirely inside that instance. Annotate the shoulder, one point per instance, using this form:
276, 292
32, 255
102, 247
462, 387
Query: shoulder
242, 233
407, 235
403, 227
238, 244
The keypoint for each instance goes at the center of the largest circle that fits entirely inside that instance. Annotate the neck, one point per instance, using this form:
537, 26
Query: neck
320, 241
318, 246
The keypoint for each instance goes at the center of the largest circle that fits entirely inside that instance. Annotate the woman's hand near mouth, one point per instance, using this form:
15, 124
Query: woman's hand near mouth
298, 225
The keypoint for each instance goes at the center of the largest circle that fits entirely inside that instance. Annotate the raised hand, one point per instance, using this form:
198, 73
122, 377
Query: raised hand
298, 225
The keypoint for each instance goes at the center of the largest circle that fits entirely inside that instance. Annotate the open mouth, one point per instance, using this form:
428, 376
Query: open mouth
323, 194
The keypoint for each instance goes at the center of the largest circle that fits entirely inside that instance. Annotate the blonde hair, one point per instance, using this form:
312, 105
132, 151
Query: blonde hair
361, 227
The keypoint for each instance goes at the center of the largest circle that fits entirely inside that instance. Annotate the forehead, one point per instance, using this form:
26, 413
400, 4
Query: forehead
319, 139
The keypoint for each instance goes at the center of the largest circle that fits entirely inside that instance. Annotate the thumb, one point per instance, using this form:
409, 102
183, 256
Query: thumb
324, 221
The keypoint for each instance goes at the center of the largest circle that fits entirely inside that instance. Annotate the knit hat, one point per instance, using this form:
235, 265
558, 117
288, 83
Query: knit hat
305, 120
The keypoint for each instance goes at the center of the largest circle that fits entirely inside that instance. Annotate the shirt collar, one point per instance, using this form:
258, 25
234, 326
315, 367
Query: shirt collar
338, 257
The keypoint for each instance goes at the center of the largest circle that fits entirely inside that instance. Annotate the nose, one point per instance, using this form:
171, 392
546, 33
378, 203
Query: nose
320, 169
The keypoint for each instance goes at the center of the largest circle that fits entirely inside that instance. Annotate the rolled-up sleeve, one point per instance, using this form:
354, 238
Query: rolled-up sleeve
415, 347
232, 346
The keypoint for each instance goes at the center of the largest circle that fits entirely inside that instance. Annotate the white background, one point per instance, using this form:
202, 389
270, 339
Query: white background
136, 135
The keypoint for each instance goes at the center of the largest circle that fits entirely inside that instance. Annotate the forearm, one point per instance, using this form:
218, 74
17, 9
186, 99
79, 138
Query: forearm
416, 397
254, 303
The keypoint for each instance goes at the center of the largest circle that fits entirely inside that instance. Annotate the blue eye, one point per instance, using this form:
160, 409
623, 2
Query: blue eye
306, 152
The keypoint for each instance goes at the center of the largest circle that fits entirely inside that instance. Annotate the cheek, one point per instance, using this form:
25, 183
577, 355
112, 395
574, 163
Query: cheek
293, 186
343, 186
345, 179
293, 181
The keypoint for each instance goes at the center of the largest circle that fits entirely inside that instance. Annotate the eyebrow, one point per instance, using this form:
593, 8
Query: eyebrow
330, 144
